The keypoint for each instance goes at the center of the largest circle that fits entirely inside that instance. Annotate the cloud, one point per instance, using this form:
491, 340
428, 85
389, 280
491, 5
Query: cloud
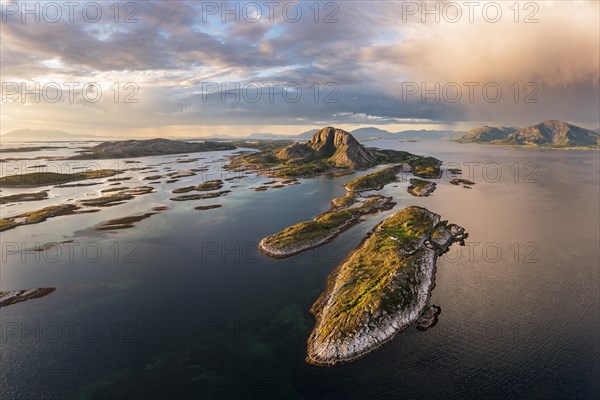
558, 50
367, 55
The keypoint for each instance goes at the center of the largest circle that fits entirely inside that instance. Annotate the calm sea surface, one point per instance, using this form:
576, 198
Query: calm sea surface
183, 306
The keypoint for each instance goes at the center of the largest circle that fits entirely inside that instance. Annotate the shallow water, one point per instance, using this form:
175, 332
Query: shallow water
184, 306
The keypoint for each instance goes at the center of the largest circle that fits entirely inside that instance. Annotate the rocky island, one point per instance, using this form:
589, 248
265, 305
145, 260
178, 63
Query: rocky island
381, 288
150, 147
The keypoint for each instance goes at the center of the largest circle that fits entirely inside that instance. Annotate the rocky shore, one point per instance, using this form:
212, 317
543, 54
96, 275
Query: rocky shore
381, 288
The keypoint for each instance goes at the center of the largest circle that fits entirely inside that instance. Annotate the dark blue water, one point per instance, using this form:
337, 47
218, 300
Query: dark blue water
184, 307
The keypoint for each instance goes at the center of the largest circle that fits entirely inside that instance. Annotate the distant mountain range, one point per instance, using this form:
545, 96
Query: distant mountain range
550, 133
369, 133
43, 135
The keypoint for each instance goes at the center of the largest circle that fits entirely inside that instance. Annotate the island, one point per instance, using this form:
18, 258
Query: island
323, 228
551, 133
381, 288
149, 147
37, 216
16, 198
124, 222
330, 151
215, 184
420, 187
17, 296
53, 178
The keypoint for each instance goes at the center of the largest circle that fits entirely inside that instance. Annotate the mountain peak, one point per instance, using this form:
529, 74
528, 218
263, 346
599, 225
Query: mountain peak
331, 143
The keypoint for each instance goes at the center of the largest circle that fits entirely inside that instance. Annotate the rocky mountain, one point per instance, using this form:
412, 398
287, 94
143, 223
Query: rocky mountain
150, 147
550, 133
331, 144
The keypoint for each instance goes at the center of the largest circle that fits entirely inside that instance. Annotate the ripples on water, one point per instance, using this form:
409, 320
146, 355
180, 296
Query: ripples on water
183, 305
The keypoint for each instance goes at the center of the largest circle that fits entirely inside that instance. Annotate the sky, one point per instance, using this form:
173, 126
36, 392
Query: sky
197, 68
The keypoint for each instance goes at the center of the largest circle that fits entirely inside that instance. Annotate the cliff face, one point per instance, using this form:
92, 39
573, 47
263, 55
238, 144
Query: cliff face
547, 133
331, 144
